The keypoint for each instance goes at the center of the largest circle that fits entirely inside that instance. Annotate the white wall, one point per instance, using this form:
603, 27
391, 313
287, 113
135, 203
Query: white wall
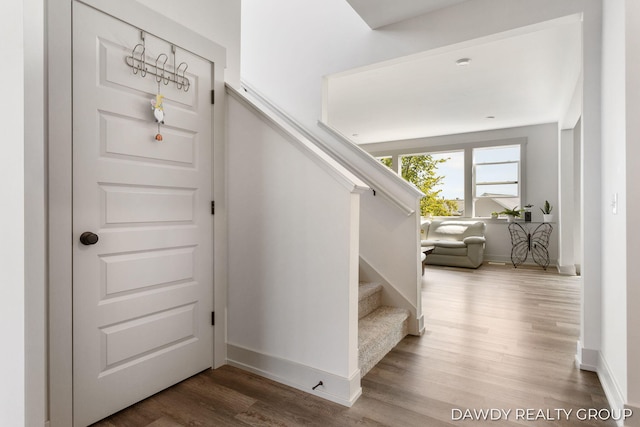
541, 174
293, 260
217, 20
390, 245
632, 201
590, 169
577, 203
568, 212
614, 232
619, 369
286, 58
566, 209
12, 259
389, 222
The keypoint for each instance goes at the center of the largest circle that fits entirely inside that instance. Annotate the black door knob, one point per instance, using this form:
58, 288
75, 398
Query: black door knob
88, 238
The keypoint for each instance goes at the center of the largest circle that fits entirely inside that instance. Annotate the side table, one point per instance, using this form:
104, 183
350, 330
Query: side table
426, 250
525, 241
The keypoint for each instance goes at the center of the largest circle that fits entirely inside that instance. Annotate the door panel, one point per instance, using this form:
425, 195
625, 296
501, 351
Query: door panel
143, 270
143, 294
139, 205
117, 134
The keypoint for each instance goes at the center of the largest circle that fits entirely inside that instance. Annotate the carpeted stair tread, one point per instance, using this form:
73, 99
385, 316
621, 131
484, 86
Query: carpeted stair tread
369, 298
378, 333
368, 288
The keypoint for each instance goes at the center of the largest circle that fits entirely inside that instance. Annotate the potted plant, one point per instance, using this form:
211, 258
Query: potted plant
511, 214
546, 212
494, 215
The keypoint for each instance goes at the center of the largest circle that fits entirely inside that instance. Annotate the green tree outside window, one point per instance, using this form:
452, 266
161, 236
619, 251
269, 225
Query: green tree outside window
422, 171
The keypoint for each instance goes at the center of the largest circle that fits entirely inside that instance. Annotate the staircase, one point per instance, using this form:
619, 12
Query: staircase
380, 328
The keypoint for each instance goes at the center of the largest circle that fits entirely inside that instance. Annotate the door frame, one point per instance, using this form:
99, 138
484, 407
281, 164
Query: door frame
60, 191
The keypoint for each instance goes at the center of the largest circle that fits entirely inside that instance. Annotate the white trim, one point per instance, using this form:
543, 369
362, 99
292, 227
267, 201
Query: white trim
220, 229
300, 141
593, 360
506, 260
610, 386
140, 16
59, 22
436, 144
388, 194
342, 390
502, 259
586, 359
567, 270
60, 260
35, 214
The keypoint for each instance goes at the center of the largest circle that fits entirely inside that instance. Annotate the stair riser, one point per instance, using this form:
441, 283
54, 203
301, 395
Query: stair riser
369, 304
369, 357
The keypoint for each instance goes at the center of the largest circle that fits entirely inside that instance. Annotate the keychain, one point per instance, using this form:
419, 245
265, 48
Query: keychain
158, 112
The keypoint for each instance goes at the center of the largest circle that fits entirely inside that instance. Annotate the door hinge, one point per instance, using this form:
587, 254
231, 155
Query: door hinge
213, 207
213, 96
213, 318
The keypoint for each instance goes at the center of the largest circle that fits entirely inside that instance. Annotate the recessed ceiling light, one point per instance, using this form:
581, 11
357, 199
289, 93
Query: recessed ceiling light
490, 117
463, 62
355, 134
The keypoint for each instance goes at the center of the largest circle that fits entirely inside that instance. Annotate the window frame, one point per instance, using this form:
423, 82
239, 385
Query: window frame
469, 166
517, 182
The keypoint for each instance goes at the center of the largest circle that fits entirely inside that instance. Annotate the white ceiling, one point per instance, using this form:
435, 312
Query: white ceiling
378, 13
520, 80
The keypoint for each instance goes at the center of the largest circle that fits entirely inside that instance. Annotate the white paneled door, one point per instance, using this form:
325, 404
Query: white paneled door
143, 292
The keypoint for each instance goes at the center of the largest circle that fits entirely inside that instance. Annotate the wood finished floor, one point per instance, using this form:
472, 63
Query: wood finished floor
496, 338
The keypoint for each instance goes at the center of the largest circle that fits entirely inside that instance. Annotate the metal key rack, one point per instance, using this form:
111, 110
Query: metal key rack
160, 70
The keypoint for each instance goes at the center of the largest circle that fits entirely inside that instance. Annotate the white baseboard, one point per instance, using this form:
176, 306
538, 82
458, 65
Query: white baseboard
421, 327
586, 359
593, 360
610, 386
498, 259
342, 390
567, 270
495, 258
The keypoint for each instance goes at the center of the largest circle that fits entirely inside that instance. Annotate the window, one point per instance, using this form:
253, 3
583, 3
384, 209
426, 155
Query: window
471, 180
387, 161
451, 186
496, 179
443, 193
